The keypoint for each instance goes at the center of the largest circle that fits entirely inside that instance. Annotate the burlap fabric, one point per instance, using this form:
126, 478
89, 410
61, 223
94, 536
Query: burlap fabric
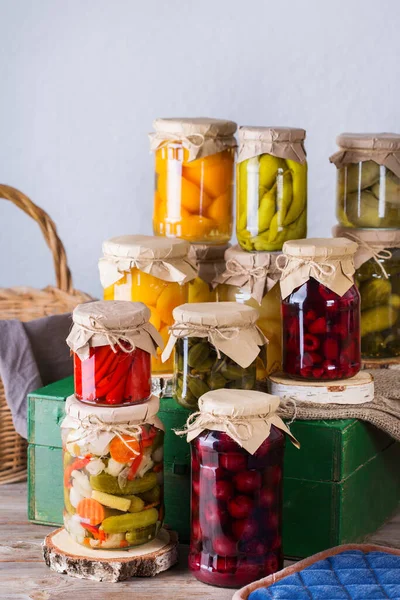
383, 412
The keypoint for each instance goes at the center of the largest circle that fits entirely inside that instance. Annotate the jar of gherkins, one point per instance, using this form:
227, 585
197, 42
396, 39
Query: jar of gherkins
368, 179
194, 172
377, 276
210, 262
113, 474
217, 345
271, 187
251, 278
152, 270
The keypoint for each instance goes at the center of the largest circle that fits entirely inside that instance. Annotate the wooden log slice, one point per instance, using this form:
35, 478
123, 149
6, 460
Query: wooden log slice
381, 363
63, 555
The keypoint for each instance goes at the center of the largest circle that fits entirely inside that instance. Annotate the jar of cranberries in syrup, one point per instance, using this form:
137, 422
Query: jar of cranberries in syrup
321, 316
236, 512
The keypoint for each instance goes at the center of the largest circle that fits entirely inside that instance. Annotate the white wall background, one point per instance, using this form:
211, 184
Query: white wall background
82, 80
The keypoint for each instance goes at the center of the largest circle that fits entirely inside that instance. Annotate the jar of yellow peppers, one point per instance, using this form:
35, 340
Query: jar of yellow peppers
252, 278
152, 270
271, 187
194, 172
210, 262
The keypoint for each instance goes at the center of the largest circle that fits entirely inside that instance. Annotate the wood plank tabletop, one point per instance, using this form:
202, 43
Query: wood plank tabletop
24, 576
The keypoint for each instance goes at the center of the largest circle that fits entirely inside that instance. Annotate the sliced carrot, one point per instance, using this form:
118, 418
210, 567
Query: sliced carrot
124, 451
123, 544
92, 510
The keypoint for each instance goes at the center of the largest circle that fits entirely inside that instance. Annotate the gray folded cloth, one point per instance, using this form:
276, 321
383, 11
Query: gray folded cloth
32, 355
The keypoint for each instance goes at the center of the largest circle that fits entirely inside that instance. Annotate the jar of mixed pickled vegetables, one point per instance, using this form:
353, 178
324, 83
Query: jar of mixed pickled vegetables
112, 343
217, 345
368, 179
152, 270
320, 309
377, 277
210, 262
271, 187
113, 474
194, 170
251, 278
237, 444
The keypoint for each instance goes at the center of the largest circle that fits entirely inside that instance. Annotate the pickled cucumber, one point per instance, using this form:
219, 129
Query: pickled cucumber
141, 536
109, 484
375, 292
378, 319
152, 495
130, 521
137, 504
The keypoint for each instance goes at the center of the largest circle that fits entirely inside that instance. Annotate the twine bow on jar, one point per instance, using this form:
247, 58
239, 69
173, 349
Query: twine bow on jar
229, 333
93, 426
239, 428
233, 267
115, 337
376, 252
321, 270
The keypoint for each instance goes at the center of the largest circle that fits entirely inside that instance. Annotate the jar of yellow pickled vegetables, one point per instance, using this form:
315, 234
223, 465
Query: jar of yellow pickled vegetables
194, 171
152, 270
210, 263
250, 278
271, 187
368, 179
377, 277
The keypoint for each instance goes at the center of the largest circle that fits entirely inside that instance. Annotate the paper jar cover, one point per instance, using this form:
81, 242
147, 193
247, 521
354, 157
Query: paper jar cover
283, 142
372, 243
209, 260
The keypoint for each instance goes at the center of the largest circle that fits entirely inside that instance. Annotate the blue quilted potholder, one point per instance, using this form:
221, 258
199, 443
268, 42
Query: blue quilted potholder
350, 575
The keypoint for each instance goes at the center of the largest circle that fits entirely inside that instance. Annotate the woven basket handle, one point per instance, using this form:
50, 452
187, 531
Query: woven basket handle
49, 230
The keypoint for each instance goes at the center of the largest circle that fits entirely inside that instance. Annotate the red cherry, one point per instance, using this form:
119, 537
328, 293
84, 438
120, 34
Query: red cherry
195, 504
274, 475
263, 449
276, 543
225, 443
255, 548
247, 571
271, 564
244, 529
224, 546
214, 515
233, 461
194, 561
240, 507
196, 485
247, 481
226, 564
207, 473
267, 498
223, 490
273, 521
195, 530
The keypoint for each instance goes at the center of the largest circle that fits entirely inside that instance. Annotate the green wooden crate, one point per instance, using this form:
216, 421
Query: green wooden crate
340, 486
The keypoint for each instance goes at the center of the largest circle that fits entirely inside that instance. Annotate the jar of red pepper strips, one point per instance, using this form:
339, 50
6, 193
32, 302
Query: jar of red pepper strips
112, 343
320, 309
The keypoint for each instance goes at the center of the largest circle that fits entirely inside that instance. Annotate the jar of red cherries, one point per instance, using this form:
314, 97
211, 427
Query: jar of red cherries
112, 343
237, 444
320, 309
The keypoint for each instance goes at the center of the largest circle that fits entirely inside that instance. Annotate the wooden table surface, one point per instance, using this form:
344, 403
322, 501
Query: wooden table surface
24, 576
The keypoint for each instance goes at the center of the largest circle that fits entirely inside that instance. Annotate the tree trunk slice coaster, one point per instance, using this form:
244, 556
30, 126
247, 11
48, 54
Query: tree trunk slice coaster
63, 555
356, 390
381, 363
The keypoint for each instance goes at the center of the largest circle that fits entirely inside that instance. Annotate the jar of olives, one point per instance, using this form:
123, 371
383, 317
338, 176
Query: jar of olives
368, 180
237, 445
113, 474
320, 309
217, 345
377, 277
152, 270
210, 262
271, 187
251, 278
194, 171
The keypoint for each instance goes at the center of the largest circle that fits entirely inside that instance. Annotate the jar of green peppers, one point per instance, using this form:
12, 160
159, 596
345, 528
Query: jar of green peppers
271, 187
377, 276
368, 179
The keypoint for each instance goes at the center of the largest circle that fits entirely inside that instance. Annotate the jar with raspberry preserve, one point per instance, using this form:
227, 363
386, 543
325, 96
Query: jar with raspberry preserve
320, 309
237, 444
112, 344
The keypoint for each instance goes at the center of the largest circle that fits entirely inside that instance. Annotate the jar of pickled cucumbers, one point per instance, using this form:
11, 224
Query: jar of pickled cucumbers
271, 187
377, 277
152, 270
113, 474
320, 309
237, 446
251, 278
217, 345
112, 343
368, 179
194, 170
210, 262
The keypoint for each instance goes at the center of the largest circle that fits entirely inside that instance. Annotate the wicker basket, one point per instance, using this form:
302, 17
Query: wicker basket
25, 304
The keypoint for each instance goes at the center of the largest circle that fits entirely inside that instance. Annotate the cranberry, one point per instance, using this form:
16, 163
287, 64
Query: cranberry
224, 546
226, 564
240, 507
271, 564
194, 561
233, 461
244, 529
267, 498
247, 481
223, 490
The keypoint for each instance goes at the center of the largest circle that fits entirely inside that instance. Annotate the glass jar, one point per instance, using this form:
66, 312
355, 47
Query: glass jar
236, 516
155, 271
209, 355
113, 485
271, 187
321, 328
112, 344
194, 170
368, 180
210, 263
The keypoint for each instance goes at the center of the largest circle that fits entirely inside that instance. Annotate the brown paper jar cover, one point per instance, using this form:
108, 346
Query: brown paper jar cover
370, 241
383, 148
209, 260
283, 142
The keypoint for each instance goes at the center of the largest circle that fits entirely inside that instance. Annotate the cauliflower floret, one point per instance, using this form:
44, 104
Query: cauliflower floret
81, 483
114, 468
95, 466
